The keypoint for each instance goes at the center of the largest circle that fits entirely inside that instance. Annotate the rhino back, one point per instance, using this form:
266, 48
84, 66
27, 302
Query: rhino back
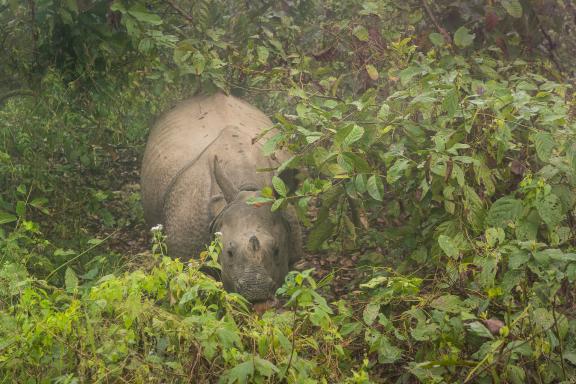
185, 134
187, 207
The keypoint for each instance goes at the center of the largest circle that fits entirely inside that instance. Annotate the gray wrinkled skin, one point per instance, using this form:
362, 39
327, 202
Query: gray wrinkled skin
256, 253
198, 170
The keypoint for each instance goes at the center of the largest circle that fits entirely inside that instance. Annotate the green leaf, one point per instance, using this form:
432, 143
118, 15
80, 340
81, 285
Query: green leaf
473, 204
360, 183
95, 241
361, 33
567, 198
463, 37
504, 211
277, 204
312, 136
241, 373
359, 162
353, 136
298, 92
387, 353
6, 218
263, 54
555, 254
561, 235
64, 253
375, 282
371, 313
345, 163
487, 265
351, 328
319, 234
451, 103
39, 203
517, 258
513, 7
384, 112
437, 39
543, 319
571, 357
449, 303
270, 145
117, 6
488, 71
372, 72
72, 5
550, 210
544, 144
425, 332
527, 227
279, 186
375, 187
198, 62
396, 171
448, 246
140, 13
70, 280
479, 329
425, 99
265, 367
259, 200
20, 208
494, 236
515, 374
408, 73
543, 257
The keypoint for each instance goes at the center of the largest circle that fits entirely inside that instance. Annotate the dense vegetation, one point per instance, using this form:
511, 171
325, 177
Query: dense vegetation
436, 144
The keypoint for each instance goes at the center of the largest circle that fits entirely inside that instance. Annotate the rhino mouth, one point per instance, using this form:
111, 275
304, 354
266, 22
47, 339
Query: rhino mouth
256, 296
256, 290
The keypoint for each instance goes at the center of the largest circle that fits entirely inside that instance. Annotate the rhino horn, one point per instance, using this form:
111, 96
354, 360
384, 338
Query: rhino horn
226, 186
254, 243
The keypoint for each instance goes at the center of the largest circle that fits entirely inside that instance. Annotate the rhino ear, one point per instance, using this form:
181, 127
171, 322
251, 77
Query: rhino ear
216, 205
226, 186
294, 235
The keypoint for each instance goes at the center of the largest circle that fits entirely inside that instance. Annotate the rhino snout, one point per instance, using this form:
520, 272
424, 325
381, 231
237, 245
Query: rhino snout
256, 286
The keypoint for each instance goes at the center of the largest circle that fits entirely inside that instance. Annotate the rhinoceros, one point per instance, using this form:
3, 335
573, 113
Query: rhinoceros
198, 171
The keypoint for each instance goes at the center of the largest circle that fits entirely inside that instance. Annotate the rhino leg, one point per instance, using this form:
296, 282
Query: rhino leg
186, 213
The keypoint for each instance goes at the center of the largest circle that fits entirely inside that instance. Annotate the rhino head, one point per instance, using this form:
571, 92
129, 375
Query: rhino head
258, 245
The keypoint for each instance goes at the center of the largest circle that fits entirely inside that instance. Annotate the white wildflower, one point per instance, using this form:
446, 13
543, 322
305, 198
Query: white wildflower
157, 228
218, 234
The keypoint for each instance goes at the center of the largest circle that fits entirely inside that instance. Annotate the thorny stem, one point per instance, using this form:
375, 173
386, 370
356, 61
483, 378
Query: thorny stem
178, 9
435, 21
561, 344
483, 365
293, 344
551, 44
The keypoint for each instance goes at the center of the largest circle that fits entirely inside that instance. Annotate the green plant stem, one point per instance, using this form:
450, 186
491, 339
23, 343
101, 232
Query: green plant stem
79, 255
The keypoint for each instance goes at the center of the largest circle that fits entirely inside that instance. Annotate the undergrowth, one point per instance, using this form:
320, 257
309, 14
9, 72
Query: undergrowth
445, 161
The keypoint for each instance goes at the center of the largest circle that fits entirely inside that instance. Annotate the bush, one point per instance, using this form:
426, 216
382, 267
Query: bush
169, 324
434, 143
465, 172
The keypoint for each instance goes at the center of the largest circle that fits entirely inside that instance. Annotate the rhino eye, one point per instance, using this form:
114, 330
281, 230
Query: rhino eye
276, 251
